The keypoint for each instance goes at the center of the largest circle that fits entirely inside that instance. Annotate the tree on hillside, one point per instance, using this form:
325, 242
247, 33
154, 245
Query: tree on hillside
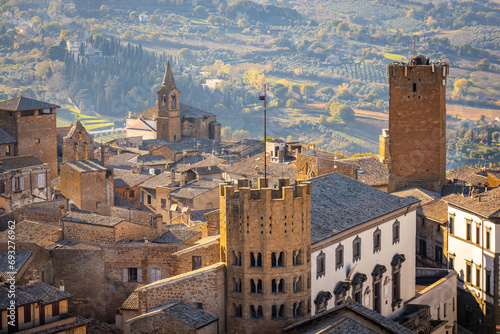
185, 53
307, 90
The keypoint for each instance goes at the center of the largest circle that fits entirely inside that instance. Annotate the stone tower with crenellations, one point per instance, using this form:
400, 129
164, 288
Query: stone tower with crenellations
265, 241
169, 108
416, 151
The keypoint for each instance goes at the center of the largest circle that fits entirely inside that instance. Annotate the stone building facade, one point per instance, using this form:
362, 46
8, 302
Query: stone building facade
78, 144
265, 241
33, 126
170, 119
417, 124
87, 183
23, 180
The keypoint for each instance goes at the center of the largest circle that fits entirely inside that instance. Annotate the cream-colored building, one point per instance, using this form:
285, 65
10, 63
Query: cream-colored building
362, 245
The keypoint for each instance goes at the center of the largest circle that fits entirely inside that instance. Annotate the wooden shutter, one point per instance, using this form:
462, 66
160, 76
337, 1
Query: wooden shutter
21, 182
125, 274
13, 184
153, 275
41, 180
139, 275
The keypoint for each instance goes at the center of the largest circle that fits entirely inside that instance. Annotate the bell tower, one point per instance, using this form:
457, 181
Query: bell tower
169, 108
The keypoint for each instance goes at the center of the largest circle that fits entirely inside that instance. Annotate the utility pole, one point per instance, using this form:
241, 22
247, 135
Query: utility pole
264, 104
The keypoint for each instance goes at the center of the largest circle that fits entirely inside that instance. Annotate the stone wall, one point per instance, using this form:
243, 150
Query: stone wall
197, 127
83, 273
37, 136
70, 185
93, 234
205, 286
96, 187
131, 215
310, 166
131, 231
208, 250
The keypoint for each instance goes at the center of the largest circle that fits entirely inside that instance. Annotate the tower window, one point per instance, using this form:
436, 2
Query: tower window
173, 101
298, 309
414, 87
278, 312
256, 286
278, 286
278, 260
255, 259
256, 313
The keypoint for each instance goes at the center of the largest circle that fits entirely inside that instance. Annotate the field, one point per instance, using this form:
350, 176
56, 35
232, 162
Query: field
69, 114
473, 114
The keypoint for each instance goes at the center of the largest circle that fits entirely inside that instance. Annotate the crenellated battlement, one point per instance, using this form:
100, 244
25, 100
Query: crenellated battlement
285, 191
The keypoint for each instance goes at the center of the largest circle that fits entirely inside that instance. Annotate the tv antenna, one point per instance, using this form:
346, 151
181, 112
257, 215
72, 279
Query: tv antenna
264, 104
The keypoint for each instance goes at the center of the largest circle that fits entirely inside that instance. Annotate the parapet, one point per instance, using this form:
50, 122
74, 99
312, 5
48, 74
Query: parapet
283, 192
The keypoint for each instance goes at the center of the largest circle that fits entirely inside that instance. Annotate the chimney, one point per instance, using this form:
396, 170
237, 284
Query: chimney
61, 285
129, 113
105, 155
159, 224
172, 175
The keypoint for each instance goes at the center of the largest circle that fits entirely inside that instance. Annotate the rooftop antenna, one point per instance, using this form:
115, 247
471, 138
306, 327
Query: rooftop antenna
264, 104
414, 48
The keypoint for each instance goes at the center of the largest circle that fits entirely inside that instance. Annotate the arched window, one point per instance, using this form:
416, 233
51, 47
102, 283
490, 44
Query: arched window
174, 102
298, 309
256, 313
321, 301
255, 259
298, 283
236, 258
237, 311
298, 257
278, 286
395, 232
339, 257
356, 249
256, 286
278, 312
320, 265
237, 285
377, 240
278, 260
164, 99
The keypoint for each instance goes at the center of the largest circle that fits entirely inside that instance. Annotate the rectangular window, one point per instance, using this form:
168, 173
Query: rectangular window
163, 204
488, 236
7, 150
130, 193
478, 234
487, 282
27, 313
438, 255
196, 262
41, 180
452, 262
468, 231
149, 199
444, 310
468, 273
155, 274
132, 274
339, 257
451, 225
396, 286
55, 309
423, 247
478, 277
2, 187
18, 183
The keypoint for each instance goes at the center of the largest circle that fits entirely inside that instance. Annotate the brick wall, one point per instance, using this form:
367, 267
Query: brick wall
37, 136
417, 126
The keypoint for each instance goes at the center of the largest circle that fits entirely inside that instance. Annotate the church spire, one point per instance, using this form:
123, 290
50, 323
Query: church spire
168, 79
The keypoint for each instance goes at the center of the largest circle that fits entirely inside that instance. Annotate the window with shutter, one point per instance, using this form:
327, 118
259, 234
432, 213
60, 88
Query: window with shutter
41, 180
139, 275
125, 275
21, 182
